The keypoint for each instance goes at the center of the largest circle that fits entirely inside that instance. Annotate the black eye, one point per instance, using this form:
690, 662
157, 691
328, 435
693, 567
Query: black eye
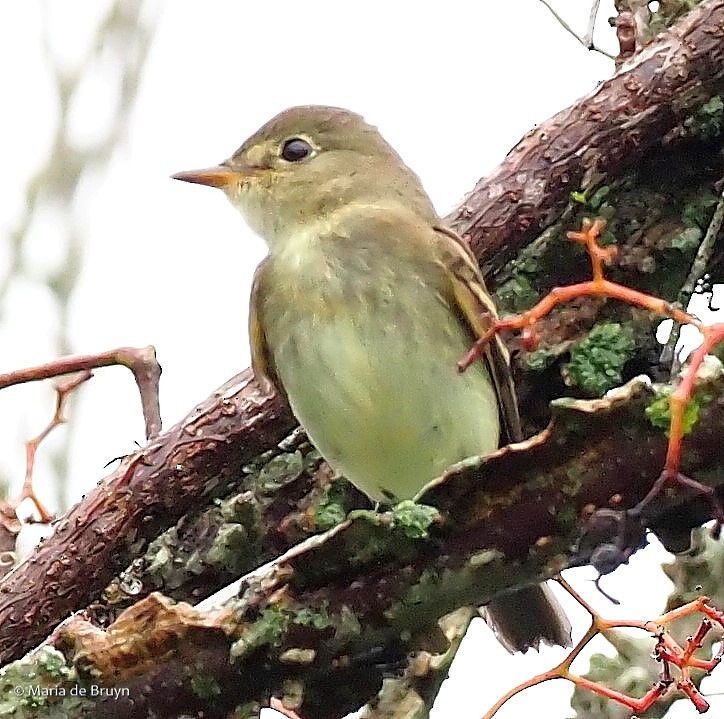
296, 149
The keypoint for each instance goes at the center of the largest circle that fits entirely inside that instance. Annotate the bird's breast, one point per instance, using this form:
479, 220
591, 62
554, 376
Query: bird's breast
367, 356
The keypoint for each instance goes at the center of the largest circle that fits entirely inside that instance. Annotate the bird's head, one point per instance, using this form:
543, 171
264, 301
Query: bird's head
306, 163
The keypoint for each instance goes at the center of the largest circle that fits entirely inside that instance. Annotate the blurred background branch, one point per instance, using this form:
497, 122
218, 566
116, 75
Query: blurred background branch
109, 71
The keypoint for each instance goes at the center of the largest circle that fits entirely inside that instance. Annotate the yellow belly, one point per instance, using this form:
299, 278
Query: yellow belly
376, 387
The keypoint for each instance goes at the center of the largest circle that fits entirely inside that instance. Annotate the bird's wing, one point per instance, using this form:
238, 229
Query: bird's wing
261, 360
478, 310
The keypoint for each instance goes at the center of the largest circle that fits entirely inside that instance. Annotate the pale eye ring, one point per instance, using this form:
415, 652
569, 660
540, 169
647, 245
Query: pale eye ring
296, 149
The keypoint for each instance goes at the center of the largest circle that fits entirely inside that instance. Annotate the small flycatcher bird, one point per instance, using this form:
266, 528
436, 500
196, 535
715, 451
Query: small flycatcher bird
360, 313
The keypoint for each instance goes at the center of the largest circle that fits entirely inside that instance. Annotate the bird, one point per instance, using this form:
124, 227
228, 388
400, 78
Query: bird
360, 312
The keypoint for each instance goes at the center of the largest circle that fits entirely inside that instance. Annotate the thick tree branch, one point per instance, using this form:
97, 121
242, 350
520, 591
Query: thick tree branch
610, 129
198, 458
356, 600
204, 455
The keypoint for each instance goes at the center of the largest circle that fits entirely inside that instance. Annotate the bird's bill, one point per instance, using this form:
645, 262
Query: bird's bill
221, 176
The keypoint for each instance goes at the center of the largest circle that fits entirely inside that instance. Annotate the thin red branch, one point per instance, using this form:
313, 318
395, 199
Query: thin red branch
63, 390
599, 286
667, 650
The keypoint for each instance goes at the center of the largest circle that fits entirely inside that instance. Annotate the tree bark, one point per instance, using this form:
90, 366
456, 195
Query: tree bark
599, 136
327, 620
640, 143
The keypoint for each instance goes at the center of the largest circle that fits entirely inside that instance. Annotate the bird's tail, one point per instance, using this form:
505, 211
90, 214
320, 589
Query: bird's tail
527, 617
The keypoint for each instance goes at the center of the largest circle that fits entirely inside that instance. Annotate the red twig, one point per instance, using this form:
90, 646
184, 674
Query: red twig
599, 286
667, 650
62, 390
678, 401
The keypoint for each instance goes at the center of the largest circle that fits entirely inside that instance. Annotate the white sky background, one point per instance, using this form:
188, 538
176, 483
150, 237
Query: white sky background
452, 85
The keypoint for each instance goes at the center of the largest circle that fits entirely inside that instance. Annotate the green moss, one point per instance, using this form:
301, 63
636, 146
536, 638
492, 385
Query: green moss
315, 618
538, 360
599, 196
698, 211
517, 294
223, 537
205, 686
53, 664
414, 519
567, 516
330, 510
659, 411
573, 482
231, 548
370, 538
669, 11
708, 121
267, 630
281, 470
597, 362
688, 240
608, 237
240, 509
595, 201
42, 685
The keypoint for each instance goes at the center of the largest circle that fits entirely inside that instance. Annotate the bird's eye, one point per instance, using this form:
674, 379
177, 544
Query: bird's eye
296, 149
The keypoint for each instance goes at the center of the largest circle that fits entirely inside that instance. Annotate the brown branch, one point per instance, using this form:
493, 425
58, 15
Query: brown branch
353, 602
599, 135
151, 489
204, 453
141, 361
